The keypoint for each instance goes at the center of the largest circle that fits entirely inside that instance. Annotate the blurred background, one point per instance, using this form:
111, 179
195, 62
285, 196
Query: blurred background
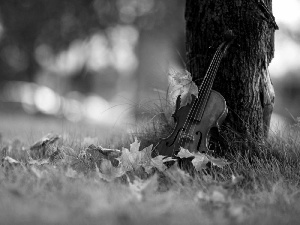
93, 61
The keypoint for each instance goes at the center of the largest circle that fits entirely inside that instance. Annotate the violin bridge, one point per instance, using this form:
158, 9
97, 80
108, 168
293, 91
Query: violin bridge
187, 137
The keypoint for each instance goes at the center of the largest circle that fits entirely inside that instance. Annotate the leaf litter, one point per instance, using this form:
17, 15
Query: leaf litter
115, 167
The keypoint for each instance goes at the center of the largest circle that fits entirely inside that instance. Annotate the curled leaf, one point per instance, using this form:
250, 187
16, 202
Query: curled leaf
184, 153
45, 147
108, 172
200, 161
48, 139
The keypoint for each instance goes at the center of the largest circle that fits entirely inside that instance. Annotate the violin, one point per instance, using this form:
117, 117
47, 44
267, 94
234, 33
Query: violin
195, 120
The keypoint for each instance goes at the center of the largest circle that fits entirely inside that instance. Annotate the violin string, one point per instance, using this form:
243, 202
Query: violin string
207, 93
195, 106
203, 98
210, 83
198, 102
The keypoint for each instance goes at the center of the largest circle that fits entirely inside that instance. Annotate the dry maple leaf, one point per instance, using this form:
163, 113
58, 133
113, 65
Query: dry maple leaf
158, 163
145, 158
133, 158
200, 161
181, 83
184, 153
126, 160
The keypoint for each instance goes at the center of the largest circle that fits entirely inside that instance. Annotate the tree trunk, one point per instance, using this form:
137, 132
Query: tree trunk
243, 78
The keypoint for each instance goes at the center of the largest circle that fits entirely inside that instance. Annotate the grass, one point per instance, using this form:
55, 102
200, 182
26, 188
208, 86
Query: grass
264, 190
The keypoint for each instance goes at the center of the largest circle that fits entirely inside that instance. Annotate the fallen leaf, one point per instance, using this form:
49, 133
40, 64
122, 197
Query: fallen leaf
158, 163
218, 161
134, 148
200, 161
145, 159
133, 158
48, 139
10, 163
184, 153
45, 147
10, 160
57, 156
126, 160
108, 172
181, 83
169, 159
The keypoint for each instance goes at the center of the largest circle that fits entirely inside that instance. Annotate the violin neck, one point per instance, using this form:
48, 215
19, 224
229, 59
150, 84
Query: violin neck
207, 83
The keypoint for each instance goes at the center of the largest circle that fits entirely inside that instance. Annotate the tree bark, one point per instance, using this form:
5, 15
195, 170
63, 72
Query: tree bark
243, 78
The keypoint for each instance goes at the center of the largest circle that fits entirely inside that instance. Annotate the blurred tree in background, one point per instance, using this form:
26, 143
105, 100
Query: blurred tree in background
35, 30
30, 23
91, 46
114, 49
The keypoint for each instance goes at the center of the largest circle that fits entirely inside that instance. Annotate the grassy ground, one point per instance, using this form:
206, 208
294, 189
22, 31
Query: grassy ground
263, 191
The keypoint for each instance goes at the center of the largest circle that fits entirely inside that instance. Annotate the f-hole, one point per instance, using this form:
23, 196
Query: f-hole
168, 144
200, 139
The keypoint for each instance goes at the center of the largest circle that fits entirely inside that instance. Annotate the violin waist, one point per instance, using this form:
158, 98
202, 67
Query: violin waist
192, 133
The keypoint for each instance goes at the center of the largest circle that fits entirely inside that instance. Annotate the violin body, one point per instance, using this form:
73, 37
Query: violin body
193, 135
195, 120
